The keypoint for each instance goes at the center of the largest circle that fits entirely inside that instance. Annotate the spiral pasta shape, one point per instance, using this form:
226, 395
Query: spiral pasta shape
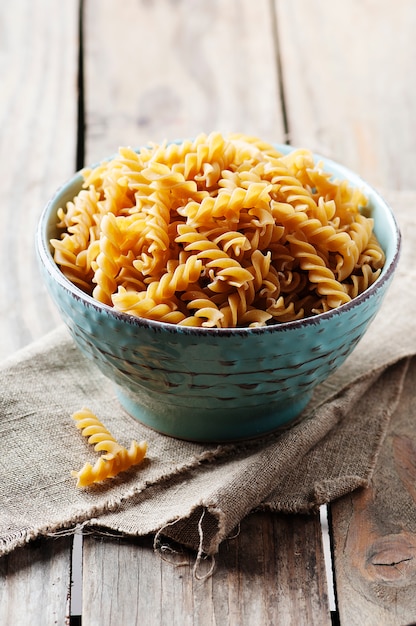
73, 265
79, 218
95, 431
107, 467
205, 311
139, 304
106, 265
373, 254
361, 282
220, 266
218, 231
116, 459
318, 273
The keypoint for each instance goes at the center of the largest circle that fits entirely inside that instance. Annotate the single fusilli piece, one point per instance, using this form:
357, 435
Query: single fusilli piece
107, 265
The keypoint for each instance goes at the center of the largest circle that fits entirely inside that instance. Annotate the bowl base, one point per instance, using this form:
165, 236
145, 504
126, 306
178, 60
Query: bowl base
213, 425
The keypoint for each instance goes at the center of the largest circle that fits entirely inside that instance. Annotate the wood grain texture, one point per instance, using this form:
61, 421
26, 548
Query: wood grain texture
35, 584
167, 69
271, 572
157, 69
374, 532
38, 121
349, 83
38, 105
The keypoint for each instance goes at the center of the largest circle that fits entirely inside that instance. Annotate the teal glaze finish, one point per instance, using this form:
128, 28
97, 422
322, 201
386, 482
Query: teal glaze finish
216, 384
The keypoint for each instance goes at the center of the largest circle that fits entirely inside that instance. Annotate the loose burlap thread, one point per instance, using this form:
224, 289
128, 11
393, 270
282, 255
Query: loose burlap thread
196, 493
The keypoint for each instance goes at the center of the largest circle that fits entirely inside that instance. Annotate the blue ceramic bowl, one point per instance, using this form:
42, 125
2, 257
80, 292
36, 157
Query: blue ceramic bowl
207, 384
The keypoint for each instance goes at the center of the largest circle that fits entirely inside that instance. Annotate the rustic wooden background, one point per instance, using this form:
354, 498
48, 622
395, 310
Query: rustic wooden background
78, 79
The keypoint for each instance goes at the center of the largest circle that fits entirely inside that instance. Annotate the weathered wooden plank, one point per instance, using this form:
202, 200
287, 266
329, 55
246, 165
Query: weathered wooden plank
35, 584
272, 572
163, 70
374, 532
38, 119
347, 72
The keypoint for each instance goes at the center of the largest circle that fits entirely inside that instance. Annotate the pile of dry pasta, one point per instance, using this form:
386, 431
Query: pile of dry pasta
217, 232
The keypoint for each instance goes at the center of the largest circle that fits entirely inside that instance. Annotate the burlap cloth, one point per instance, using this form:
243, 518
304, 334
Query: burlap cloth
193, 493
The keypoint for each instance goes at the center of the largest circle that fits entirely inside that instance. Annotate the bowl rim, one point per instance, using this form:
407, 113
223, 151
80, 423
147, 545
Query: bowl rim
45, 256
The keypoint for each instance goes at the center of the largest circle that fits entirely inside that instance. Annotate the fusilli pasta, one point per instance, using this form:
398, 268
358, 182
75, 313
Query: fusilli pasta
217, 232
116, 459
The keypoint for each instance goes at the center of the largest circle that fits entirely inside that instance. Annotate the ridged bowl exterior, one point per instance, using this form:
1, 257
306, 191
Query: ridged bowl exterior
215, 384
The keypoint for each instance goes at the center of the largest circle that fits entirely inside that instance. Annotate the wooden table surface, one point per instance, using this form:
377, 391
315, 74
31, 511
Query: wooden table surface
79, 79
